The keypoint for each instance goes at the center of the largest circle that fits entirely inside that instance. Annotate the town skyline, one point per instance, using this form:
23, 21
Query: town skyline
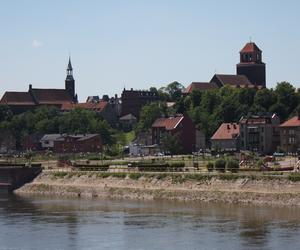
116, 51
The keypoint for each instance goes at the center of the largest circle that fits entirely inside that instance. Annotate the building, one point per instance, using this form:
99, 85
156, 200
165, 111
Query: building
128, 122
64, 143
201, 86
260, 133
181, 125
226, 138
23, 101
134, 100
239, 81
102, 108
251, 65
290, 135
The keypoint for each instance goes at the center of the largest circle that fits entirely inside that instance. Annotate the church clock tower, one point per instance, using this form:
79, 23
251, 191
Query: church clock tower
70, 82
251, 65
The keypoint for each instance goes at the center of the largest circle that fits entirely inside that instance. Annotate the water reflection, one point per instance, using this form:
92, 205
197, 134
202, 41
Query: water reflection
54, 223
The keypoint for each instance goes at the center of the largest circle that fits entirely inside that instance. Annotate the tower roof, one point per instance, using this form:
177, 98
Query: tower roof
250, 47
70, 64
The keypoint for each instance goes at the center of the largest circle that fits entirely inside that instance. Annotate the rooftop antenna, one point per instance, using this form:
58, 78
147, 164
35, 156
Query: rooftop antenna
250, 38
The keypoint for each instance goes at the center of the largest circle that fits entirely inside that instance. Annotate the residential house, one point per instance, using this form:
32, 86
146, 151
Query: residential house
290, 135
180, 125
260, 133
128, 122
226, 138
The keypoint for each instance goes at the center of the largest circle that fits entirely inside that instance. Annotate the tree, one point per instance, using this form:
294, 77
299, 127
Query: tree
149, 114
174, 89
171, 144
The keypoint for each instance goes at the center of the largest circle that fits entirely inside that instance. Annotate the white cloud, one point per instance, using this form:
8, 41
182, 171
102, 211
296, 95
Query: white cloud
36, 43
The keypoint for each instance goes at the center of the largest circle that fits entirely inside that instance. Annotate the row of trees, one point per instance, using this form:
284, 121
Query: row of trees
46, 120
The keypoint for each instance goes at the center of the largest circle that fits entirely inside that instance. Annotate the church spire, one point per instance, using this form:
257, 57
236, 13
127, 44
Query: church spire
69, 68
70, 82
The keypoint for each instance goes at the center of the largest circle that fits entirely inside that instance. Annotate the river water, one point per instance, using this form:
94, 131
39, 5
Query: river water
56, 223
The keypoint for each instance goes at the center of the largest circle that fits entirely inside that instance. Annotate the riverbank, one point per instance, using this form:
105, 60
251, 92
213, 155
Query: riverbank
228, 188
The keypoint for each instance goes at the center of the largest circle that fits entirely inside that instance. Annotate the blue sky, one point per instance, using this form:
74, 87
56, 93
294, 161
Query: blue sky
139, 44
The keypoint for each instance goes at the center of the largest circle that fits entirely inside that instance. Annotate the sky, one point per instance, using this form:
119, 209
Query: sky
140, 44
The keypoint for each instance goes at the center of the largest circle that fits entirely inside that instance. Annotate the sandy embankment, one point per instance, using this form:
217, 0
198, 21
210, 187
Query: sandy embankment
279, 191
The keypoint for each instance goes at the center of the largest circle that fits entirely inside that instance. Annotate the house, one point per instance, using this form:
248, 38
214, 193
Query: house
20, 102
226, 138
128, 122
290, 135
134, 100
102, 108
180, 125
64, 143
201, 86
260, 133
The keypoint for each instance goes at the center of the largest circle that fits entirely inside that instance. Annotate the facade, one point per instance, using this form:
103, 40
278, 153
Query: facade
181, 125
134, 100
251, 65
102, 108
23, 101
128, 122
226, 138
290, 135
63, 143
260, 133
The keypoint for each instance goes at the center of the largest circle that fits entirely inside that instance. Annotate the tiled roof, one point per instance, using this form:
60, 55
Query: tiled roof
227, 131
17, 98
293, 122
200, 86
167, 123
92, 106
250, 47
51, 96
235, 80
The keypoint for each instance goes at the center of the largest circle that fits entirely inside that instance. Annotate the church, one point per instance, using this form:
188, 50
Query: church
35, 97
250, 73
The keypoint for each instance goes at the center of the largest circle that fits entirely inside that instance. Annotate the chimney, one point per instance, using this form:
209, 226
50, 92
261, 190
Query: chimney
228, 126
30, 87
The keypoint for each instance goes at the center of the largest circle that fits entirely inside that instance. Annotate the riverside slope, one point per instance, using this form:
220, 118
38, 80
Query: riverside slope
264, 191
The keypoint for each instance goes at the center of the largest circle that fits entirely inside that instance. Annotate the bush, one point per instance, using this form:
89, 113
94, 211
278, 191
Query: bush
210, 166
295, 177
232, 165
135, 176
220, 165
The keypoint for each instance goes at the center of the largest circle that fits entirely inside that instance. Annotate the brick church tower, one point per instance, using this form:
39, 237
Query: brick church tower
251, 65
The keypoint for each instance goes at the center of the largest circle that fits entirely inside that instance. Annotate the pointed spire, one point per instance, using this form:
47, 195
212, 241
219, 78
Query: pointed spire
70, 64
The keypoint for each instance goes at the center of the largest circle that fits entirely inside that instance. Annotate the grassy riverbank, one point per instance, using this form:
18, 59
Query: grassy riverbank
229, 188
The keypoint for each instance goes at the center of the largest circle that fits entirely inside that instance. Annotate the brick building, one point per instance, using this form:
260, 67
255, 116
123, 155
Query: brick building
134, 100
64, 143
260, 133
290, 135
179, 124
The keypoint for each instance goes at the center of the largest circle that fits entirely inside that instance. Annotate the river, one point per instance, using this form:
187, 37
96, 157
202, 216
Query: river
56, 223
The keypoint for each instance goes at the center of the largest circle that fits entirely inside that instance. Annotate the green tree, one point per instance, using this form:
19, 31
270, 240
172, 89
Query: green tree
171, 144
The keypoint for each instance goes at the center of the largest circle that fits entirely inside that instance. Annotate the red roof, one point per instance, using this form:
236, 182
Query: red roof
17, 98
250, 47
167, 123
200, 86
227, 131
293, 122
93, 106
233, 80
51, 96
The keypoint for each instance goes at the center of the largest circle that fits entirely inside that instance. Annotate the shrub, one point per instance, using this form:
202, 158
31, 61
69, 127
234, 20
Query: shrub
135, 176
295, 177
232, 165
60, 174
210, 166
220, 165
